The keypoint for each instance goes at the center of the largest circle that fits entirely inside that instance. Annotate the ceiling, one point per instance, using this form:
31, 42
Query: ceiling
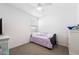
42, 4
30, 8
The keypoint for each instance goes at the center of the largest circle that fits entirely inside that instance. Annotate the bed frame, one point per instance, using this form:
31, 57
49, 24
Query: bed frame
53, 40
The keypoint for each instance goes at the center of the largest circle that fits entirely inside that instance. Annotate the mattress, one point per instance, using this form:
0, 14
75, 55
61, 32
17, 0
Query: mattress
42, 38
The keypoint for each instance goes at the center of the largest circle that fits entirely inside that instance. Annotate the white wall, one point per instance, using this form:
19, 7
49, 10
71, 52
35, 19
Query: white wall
15, 24
58, 16
78, 12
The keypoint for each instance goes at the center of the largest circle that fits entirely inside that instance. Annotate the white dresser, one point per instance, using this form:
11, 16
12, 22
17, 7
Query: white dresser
4, 45
73, 42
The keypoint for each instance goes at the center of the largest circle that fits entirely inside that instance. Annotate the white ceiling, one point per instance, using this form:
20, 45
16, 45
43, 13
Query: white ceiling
30, 8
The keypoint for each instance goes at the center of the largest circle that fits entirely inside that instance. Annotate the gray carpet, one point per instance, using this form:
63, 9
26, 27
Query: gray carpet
34, 49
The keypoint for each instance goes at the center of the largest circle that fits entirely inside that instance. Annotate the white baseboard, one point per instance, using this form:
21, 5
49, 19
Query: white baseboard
59, 43
19, 45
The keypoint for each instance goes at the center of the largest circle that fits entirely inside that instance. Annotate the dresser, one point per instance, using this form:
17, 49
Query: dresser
4, 45
73, 42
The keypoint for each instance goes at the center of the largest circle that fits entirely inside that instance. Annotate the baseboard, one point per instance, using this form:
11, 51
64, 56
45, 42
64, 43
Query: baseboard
19, 45
59, 43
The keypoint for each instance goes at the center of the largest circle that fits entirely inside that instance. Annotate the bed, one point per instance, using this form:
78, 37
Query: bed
44, 39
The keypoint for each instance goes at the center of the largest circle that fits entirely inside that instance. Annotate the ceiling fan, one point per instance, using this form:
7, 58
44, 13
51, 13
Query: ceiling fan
40, 6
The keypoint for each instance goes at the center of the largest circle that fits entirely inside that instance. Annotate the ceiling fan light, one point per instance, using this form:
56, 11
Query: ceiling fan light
39, 8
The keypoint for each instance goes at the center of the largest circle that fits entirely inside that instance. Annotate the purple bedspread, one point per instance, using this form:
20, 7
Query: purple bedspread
42, 41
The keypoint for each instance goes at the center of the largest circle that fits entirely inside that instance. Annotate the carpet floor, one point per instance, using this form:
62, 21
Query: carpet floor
34, 49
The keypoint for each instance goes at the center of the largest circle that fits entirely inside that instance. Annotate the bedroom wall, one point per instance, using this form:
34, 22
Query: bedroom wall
78, 12
15, 24
57, 18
